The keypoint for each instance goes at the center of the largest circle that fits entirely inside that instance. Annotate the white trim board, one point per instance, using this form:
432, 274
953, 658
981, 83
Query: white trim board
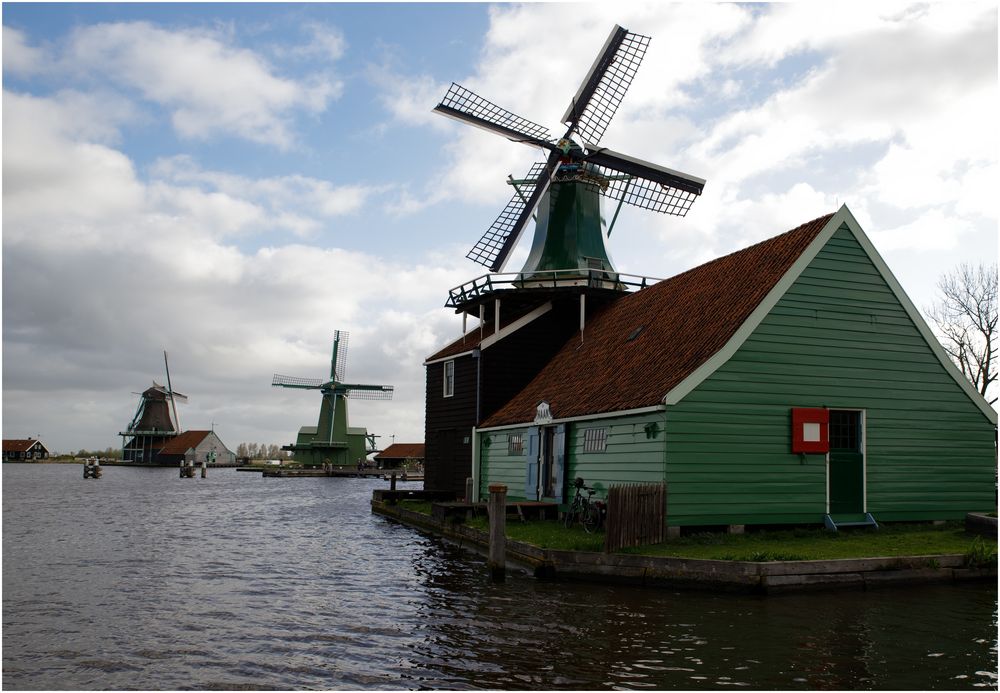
505, 331
582, 417
843, 217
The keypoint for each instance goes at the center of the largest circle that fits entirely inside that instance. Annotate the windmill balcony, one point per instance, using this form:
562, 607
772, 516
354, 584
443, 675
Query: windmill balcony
490, 286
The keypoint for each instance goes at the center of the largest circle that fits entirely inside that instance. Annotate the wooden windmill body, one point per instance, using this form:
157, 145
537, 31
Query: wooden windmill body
524, 317
332, 440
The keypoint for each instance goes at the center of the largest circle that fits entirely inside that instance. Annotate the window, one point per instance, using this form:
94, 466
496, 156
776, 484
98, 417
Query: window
845, 430
449, 378
515, 444
595, 439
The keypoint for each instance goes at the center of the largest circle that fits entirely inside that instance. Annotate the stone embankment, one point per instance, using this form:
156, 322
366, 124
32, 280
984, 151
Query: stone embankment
718, 575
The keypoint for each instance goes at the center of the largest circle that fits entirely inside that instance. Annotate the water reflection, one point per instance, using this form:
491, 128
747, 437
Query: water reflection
143, 580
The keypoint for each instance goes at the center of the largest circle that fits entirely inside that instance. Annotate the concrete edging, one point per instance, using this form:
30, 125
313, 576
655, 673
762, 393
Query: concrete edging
982, 524
707, 574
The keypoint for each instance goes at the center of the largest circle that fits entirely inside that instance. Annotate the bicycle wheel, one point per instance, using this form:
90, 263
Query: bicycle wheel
591, 518
570, 516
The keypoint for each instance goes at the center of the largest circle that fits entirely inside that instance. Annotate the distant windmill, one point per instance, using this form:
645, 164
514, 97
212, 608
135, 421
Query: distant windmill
566, 187
332, 439
154, 422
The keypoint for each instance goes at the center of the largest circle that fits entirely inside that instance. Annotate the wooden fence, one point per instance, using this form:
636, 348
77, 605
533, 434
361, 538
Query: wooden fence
637, 515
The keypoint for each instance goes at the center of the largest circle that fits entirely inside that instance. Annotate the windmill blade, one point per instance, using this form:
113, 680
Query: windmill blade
486, 250
289, 381
596, 101
509, 228
467, 106
643, 184
371, 392
338, 365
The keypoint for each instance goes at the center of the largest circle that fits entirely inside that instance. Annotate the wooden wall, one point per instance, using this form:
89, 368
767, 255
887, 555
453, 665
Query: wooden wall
448, 426
838, 338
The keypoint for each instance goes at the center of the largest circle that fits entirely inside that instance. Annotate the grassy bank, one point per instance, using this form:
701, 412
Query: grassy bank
773, 545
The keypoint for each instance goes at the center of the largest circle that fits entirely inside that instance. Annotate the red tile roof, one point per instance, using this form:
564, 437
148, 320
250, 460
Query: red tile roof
19, 445
402, 451
645, 343
180, 444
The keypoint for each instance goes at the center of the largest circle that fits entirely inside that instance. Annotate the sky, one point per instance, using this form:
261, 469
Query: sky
231, 183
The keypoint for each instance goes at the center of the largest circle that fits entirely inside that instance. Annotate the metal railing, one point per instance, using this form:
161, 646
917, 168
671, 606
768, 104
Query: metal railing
546, 279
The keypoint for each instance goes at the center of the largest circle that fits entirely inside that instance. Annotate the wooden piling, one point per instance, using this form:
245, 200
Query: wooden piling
468, 489
498, 532
392, 481
204, 469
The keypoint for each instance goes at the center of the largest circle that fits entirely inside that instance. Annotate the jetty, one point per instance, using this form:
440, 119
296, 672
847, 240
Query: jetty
337, 471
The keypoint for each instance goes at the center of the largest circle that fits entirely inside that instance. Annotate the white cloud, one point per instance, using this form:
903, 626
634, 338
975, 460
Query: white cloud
103, 270
210, 87
18, 57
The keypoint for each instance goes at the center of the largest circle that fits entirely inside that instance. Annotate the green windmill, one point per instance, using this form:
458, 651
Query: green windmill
566, 188
332, 439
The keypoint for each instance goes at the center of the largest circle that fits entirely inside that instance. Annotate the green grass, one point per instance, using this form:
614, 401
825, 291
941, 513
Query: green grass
422, 507
547, 534
820, 544
779, 545
772, 545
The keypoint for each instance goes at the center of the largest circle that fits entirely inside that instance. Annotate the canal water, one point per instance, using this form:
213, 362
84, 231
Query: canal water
142, 580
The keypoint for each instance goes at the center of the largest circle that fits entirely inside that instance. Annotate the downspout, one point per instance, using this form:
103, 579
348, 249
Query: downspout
475, 465
477, 354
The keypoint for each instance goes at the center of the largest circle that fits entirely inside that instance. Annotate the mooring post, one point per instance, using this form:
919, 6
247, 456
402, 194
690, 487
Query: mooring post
498, 532
392, 481
204, 468
468, 489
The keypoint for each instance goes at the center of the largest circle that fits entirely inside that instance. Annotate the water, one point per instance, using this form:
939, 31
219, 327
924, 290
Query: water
142, 580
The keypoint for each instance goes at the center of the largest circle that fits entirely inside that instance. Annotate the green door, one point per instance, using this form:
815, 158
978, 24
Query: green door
847, 463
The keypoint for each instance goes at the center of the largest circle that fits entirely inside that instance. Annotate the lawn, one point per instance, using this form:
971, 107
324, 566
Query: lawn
771, 545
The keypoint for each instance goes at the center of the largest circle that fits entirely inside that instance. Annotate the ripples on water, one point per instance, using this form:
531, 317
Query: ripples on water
144, 580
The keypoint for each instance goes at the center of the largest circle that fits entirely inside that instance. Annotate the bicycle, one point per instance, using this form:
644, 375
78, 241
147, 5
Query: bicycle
588, 512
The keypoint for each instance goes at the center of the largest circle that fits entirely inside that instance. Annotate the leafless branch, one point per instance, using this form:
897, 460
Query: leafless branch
966, 321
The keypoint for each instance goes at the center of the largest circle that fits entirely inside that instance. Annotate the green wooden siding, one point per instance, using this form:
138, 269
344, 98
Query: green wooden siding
498, 466
629, 456
838, 338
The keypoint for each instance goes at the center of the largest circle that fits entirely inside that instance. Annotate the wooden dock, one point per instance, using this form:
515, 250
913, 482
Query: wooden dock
298, 472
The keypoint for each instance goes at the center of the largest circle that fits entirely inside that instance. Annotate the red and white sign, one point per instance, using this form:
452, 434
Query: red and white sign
810, 430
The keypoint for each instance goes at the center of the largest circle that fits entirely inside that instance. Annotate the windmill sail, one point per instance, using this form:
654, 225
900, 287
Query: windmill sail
596, 101
465, 105
290, 381
495, 241
369, 392
571, 161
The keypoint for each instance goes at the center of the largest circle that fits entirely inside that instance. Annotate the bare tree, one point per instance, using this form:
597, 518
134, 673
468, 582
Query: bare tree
966, 319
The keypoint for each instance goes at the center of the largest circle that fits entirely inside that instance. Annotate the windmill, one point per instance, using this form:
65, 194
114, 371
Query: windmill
332, 440
566, 187
155, 421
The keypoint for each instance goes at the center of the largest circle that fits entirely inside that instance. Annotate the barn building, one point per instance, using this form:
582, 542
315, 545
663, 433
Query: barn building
399, 454
792, 382
195, 447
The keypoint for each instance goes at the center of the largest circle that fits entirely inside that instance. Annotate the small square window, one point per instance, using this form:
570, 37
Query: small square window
595, 439
515, 444
449, 378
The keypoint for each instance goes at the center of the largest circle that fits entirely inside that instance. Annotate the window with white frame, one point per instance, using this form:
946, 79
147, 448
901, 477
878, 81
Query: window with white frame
595, 439
515, 444
449, 378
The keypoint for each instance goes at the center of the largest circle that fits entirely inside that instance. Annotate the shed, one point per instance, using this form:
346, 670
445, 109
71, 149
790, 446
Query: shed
196, 447
702, 381
397, 454
23, 450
